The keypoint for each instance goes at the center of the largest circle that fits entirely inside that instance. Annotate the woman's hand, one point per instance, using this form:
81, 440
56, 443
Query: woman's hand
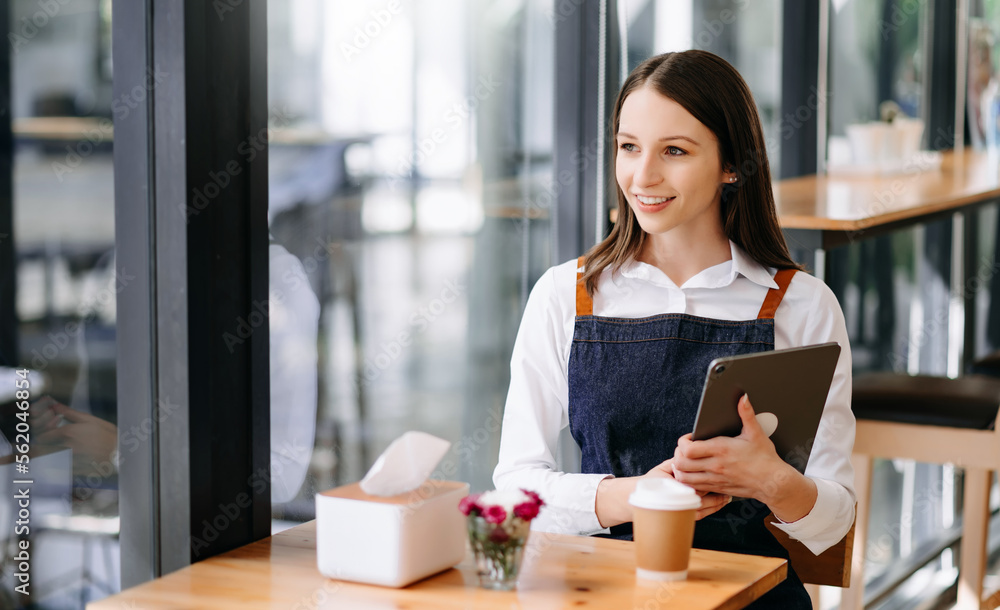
745, 466
612, 504
92, 439
44, 416
710, 502
738, 466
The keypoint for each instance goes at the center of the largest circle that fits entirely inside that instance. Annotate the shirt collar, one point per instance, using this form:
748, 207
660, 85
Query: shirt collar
750, 269
718, 276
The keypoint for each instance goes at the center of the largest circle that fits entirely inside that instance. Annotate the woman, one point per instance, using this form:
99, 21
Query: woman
616, 345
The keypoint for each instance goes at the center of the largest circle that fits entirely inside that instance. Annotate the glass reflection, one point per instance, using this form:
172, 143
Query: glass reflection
876, 64
416, 205
64, 235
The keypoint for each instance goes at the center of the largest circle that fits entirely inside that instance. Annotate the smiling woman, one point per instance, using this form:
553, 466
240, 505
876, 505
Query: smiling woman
616, 345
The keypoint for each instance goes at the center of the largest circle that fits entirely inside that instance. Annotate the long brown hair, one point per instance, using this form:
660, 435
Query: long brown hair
715, 94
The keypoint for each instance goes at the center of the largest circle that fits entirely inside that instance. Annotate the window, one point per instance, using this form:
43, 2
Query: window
64, 242
417, 205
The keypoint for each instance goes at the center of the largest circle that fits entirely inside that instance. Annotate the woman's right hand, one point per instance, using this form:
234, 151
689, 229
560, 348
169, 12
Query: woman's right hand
710, 502
92, 439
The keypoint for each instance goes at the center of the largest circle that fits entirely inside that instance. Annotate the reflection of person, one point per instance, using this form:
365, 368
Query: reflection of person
294, 327
616, 346
980, 72
293, 318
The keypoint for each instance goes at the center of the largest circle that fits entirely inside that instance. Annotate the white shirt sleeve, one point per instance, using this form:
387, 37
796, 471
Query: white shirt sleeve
829, 466
536, 411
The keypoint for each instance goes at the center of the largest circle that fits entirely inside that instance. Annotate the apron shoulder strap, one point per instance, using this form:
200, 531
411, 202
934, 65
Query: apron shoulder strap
584, 303
782, 278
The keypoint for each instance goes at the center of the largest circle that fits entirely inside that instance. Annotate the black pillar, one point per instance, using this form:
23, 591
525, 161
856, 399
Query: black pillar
191, 217
940, 87
799, 86
579, 130
8, 261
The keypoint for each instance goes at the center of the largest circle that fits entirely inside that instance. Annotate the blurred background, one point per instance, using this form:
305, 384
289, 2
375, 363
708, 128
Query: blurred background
413, 203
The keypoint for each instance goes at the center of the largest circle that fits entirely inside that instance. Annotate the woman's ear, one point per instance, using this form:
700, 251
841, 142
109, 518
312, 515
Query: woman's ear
729, 175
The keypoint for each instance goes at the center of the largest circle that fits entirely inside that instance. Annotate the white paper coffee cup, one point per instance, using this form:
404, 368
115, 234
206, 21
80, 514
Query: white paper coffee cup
663, 527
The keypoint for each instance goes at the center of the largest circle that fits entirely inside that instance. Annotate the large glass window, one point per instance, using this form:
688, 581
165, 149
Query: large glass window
411, 211
61, 110
409, 218
877, 68
896, 289
983, 73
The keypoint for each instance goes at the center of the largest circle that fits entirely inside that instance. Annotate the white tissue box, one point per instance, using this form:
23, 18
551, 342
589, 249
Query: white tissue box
391, 541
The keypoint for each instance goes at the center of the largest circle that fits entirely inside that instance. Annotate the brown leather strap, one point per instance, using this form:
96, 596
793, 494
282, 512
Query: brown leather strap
584, 304
782, 278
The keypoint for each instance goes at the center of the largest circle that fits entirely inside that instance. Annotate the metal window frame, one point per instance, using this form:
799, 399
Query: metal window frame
942, 23
200, 483
135, 314
8, 257
586, 86
588, 73
803, 74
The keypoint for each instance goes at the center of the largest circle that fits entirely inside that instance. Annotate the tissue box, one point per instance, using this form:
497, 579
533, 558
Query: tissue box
391, 541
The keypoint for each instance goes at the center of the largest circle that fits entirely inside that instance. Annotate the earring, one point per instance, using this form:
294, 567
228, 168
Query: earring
732, 178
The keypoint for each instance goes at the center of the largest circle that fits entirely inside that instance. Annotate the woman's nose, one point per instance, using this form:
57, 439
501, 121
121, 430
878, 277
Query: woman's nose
647, 171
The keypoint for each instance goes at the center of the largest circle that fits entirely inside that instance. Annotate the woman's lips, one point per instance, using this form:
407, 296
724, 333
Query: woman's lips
652, 204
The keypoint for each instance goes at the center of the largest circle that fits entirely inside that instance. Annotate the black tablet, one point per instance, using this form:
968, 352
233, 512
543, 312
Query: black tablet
787, 388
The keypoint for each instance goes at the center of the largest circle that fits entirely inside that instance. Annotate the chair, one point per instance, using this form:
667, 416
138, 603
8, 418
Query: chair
832, 567
936, 420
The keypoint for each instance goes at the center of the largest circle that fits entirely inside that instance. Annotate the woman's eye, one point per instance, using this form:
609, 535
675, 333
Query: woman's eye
628, 147
674, 151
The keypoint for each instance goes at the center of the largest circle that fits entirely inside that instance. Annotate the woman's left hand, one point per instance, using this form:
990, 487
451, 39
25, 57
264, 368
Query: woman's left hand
745, 466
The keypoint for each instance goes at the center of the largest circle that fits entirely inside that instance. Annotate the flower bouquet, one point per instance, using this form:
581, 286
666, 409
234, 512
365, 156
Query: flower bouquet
499, 523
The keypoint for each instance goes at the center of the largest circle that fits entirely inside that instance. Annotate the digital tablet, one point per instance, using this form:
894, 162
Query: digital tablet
787, 388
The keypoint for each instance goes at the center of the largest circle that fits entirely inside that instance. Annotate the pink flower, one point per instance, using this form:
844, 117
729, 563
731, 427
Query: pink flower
499, 535
494, 514
534, 497
496, 506
470, 504
526, 510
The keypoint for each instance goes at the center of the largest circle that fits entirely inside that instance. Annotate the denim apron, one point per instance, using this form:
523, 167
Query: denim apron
634, 389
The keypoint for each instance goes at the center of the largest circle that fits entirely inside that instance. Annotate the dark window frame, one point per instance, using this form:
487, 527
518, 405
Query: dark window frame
201, 484
578, 132
800, 81
8, 261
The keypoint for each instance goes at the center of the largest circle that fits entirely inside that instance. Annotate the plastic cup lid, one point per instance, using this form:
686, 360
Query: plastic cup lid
664, 494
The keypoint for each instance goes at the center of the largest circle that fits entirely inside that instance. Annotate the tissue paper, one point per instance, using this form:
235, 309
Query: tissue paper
405, 464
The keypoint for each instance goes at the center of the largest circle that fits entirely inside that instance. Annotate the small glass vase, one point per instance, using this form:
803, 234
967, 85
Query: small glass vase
498, 549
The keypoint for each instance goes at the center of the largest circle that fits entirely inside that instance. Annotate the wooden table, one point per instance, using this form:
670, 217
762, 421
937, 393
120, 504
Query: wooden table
559, 571
61, 129
817, 213
837, 209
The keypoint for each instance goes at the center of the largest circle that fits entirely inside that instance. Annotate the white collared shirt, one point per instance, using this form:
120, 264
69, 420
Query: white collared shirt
537, 401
